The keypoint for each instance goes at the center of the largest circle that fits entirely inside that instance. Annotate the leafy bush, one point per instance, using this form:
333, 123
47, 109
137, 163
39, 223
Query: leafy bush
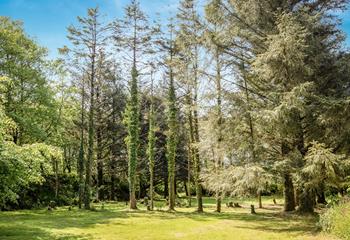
336, 220
37, 195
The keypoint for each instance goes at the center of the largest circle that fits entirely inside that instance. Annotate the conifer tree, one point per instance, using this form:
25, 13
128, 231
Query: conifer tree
172, 124
273, 40
81, 158
188, 39
133, 34
151, 145
88, 38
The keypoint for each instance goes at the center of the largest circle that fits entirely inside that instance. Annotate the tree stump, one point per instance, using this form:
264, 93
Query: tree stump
252, 209
145, 201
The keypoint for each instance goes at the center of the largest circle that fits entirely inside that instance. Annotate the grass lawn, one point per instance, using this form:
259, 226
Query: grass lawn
116, 222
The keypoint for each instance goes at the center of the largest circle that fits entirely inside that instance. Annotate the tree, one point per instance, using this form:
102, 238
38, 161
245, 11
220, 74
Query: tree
89, 38
151, 145
188, 39
133, 34
276, 53
30, 100
239, 181
172, 124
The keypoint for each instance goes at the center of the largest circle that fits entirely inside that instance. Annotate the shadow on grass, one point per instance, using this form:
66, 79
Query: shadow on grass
11, 232
38, 224
277, 222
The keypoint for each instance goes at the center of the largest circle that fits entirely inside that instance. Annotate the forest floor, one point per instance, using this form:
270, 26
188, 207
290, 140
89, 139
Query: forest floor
114, 221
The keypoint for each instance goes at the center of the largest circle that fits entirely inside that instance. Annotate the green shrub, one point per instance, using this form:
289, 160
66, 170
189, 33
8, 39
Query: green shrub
336, 220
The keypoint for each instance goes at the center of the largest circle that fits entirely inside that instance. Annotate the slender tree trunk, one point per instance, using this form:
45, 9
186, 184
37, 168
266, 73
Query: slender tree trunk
113, 182
297, 196
81, 149
151, 191
151, 145
172, 132
87, 198
197, 140
190, 148
250, 122
188, 188
134, 124
133, 142
113, 149
166, 187
56, 177
99, 147
218, 161
259, 199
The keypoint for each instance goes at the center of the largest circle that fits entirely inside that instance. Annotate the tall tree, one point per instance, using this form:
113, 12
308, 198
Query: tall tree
151, 145
30, 100
89, 37
172, 123
188, 38
273, 40
133, 34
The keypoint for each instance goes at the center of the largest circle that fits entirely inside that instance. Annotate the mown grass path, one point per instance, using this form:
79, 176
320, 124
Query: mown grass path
116, 222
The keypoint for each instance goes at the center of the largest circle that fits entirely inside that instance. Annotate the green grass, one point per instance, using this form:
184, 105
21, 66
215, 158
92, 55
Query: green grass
116, 222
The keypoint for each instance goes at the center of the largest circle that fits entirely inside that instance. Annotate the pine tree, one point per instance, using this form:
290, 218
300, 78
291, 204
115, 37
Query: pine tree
188, 39
81, 158
172, 124
89, 37
273, 40
151, 145
133, 34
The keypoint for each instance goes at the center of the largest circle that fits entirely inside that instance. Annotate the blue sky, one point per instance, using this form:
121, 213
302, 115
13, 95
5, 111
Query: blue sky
46, 20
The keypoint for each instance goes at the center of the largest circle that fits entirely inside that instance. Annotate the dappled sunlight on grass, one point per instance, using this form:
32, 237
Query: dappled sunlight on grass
115, 221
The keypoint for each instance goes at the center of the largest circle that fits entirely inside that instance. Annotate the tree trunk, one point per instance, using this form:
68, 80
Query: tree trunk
307, 201
259, 199
321, 197
219, 136
172, 128
133, 203
91, 117
197, 164
171, 193
289, 200
151, 190
56, 177
112, 184
218, 202
99, 168
188, 186
297, 196
99, 148
81, 159
166, 189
